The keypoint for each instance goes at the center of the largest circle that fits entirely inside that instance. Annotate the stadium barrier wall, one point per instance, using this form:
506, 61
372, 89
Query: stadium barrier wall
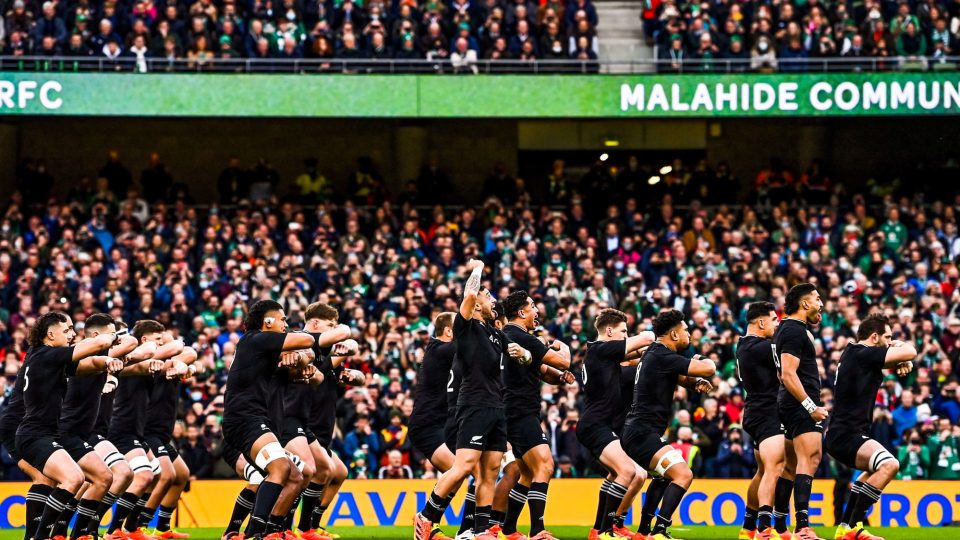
571, 502
511, 96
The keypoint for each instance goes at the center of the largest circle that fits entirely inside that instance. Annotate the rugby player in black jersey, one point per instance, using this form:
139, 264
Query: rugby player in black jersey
314, 405
158, 438
430, 397
597, 429
127, 424
482, 433
756, 365
81, 405
662, 369
247, 422
859, 376
799, 407
522, 401
51, 359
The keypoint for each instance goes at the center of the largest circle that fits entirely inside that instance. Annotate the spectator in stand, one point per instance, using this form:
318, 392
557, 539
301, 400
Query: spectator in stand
196, 453
735, 458
395, 469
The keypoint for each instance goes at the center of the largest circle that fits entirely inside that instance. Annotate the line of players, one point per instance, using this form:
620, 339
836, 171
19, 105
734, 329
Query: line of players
76, 423
777, 362
479, 388
90, 421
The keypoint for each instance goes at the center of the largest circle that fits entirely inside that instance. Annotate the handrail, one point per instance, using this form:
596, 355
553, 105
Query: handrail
61, 64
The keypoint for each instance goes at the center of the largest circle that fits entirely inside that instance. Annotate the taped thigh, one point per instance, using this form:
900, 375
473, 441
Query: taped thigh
296, 461
878, 458
268, 454
140, 464
252, 475
671, 458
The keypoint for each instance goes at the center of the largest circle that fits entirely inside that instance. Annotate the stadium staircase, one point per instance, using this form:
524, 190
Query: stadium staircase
620, 32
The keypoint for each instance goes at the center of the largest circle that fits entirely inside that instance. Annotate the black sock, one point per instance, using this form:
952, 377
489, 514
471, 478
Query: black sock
86, 514
317, 519
310, 498
125, 504
515, 503
275, 523
868, 496
36, 499
601, 504
781, 503
537, 499
133, 520
56, 503
855, 489
497, 517
63, 521
435, 507
764, 517
802, 486
146, 516
288, 522
651, 502
481, 519
615, 495
164, 515
469, 509
241, 509
671, 500
267, 495
750, 519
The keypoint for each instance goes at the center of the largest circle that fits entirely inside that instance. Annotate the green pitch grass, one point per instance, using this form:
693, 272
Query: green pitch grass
578, 533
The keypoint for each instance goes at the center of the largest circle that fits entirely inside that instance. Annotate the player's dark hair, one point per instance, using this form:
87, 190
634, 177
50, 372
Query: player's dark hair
44, 322
147, 326
498, 312
254, 319
792, 303
875, 323
513, 303
667, 320
98, 321
609, 317
759, 309
319, 310
442, 322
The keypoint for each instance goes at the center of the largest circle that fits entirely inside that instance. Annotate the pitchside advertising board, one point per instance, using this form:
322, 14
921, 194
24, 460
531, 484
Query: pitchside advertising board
511, 96
572, 502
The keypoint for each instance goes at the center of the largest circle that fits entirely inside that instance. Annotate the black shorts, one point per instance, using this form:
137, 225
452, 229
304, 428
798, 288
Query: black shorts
76, 446
37, 450
642, 446
595, 437
797, 421
293, 428
427, 436
843, 445
450, 429
127, 444
322, 431
96, 439
161, 446
762, 427
482, 428
241, 435
525, 433
231, 455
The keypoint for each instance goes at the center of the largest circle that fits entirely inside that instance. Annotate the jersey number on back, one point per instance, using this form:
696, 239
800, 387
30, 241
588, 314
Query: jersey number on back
26, 379
450, 383
776, 357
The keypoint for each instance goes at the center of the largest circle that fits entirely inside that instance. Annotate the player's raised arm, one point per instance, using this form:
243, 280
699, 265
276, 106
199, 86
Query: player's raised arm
640, 341
124, 346
471, 288
98, 364
144, 351
898, 353
558, 356
701, 367
90, 347
169, 350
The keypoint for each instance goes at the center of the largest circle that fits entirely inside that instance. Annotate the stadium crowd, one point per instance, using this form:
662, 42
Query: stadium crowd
792, 35
390, 263
204, 31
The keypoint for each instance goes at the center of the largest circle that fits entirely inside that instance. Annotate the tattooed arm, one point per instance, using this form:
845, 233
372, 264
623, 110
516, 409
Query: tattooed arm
471, 288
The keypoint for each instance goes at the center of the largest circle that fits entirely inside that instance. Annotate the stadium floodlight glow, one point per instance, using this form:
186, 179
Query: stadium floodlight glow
604, 156
654, 180
666, 169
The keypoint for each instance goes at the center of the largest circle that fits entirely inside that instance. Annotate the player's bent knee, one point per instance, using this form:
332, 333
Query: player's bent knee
883, 462
73, 481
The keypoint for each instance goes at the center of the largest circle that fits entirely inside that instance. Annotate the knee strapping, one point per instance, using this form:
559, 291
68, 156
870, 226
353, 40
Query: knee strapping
268, 454
671, 458
878, 458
